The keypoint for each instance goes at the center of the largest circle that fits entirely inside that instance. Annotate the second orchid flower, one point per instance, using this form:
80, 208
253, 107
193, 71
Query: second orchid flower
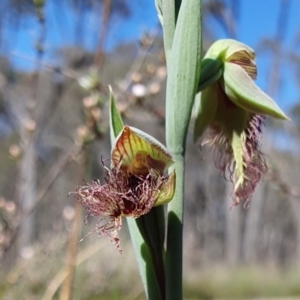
230, 115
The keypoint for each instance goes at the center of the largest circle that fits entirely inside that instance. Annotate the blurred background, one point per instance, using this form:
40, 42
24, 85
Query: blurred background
57, 59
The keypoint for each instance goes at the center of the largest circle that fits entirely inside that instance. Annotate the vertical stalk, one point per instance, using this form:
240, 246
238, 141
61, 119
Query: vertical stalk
67, 286
29, 133
183, 80
174, 236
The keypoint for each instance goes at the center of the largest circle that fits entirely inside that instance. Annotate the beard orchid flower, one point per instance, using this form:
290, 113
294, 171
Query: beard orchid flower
135, 182
230, 115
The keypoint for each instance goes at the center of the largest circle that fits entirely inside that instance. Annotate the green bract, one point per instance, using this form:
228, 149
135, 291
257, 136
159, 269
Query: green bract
230, 114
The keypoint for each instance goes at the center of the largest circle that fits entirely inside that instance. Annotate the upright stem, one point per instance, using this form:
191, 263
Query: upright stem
182, 84
174, 237
67, 286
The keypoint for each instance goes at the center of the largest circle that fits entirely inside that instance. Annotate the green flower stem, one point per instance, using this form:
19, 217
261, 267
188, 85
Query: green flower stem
183, 81
174, 236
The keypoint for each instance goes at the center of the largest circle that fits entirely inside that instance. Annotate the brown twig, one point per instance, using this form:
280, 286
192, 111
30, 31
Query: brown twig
99, 57
69, 73
66, 290
138, 62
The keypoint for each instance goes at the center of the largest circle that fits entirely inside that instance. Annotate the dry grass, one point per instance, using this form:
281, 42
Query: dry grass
105, 274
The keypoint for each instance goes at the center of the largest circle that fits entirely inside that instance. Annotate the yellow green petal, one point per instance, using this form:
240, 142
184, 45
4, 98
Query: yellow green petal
137, 152
167, 190
245, 60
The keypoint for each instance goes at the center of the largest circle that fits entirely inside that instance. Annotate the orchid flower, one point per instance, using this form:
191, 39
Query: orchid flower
231, 113
135, 182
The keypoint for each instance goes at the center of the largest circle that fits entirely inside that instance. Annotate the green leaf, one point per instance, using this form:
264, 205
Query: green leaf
211, 71
242, 91
183, 74
170, 9
115, 120
159, 9
144, 259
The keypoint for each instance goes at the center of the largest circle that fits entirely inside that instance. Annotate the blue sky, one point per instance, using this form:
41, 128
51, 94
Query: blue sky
257, 19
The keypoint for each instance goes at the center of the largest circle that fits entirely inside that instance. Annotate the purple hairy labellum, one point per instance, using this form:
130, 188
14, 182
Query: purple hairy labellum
135, 182
253, 161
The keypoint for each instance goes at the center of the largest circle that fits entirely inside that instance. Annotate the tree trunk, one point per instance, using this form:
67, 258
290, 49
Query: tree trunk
27, 189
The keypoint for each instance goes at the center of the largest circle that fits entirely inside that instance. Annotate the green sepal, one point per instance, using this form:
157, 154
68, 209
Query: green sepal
224, 48
211, 71
206, 103
242, 91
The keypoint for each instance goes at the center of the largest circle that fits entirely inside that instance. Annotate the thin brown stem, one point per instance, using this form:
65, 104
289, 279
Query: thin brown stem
99, 55
67, 287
